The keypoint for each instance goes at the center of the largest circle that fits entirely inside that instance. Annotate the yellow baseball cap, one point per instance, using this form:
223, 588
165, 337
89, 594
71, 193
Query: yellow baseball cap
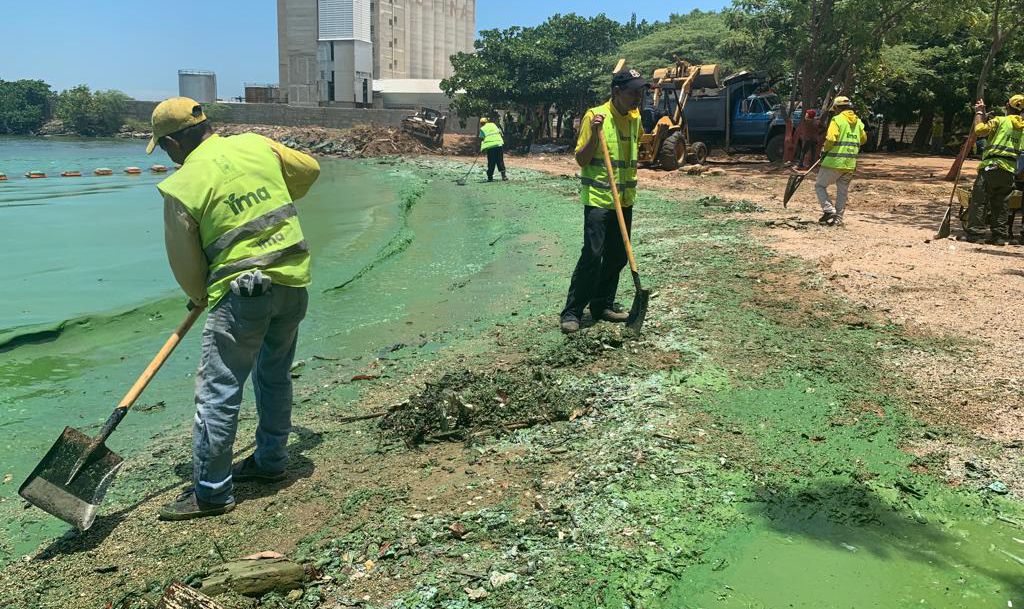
1017, 102
483, 119
173, 115
840, 102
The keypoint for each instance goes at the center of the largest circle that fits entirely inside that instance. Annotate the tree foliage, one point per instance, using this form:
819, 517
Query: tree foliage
24, 106
534, 69
92, 113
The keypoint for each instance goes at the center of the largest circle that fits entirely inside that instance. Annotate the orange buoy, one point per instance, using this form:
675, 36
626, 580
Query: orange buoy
32, 175
132, 171
71, 174
158, 169
103, 171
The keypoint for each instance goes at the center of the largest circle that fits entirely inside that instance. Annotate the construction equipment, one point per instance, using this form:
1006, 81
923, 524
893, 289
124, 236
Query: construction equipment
665, 141
427, 124
638, 311
794, 183
72, 479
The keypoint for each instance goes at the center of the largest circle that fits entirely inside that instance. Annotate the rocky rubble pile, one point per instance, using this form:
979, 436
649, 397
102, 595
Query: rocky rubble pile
359, 142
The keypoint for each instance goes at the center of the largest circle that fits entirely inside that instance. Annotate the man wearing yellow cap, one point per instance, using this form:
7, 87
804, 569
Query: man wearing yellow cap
493, 143
992, 188
234, 244
843, 140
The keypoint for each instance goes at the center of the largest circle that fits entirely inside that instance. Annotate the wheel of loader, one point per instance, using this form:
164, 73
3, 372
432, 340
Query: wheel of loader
697, 154
672, 151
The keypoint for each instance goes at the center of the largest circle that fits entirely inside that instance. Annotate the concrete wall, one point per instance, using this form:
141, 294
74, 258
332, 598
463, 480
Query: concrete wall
289, 116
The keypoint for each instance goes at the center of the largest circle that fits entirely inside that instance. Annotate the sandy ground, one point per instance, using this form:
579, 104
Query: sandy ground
886, 260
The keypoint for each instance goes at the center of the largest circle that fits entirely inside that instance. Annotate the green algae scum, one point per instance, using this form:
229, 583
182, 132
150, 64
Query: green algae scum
747, 451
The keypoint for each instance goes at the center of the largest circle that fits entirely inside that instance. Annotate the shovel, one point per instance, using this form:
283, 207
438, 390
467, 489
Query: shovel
73, 477
637, 312
462, 181
794, 183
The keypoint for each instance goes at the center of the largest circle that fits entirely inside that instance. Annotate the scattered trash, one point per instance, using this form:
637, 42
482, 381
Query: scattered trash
998, 488
476, 594
499, 579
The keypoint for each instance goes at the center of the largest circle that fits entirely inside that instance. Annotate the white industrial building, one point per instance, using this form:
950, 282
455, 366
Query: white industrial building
332, 51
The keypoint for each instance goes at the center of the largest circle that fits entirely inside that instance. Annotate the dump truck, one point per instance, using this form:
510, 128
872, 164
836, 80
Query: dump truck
741, 113
426, 124
665, 141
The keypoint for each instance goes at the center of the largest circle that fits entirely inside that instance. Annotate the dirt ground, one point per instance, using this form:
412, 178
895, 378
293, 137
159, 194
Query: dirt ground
886, 260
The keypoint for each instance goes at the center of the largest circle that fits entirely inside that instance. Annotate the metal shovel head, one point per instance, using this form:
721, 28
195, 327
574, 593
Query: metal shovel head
945, 229
75, 503
638, 312
791, 186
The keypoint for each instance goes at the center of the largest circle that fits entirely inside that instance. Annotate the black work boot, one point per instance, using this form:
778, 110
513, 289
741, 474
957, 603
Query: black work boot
187, 506
247, 470
826, 219
504, 178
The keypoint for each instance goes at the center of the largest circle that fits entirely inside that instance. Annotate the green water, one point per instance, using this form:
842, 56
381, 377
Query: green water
401, 241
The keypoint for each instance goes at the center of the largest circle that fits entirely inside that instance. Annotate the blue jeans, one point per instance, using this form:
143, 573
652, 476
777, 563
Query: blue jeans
245, 335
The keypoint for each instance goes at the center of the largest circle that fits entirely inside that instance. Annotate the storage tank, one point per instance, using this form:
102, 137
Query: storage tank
200, 85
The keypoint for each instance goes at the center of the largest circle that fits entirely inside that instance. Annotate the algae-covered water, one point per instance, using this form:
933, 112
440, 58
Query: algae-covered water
95, 298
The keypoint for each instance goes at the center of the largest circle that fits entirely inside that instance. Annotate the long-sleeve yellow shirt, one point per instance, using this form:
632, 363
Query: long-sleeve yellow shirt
181, 231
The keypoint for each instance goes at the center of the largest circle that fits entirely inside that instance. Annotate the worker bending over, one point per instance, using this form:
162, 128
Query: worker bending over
234, 243
843, 140
492, 142
992, 188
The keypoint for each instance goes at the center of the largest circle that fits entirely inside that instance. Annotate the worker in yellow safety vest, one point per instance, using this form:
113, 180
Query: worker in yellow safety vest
843, 140
595, 279
492, 142
994, 184
234, 244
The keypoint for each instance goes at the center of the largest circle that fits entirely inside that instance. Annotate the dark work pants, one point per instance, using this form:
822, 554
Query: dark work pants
596, 278
495, 158
989, 200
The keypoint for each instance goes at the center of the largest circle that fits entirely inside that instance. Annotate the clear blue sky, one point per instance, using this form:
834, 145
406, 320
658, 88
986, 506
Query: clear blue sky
138, 47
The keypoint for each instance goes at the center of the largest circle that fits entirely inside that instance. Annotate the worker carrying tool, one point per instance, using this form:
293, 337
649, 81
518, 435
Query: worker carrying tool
596, 277
994, 184
843, 140
234, 243
492, 142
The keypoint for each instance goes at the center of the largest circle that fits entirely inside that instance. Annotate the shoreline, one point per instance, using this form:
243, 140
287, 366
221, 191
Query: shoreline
731, 415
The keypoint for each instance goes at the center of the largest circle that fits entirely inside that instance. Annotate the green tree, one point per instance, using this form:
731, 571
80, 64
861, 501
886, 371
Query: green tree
89, 113
532, 70
24, 106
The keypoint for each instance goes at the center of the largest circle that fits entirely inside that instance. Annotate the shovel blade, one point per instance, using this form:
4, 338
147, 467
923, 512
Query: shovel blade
638, 312
791, 186
944, 228
78, 502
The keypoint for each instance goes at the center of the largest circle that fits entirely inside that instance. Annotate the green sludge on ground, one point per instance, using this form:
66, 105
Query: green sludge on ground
745, 452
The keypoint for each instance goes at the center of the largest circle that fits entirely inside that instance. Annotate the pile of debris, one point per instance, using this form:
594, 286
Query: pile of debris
358, 142
465, 404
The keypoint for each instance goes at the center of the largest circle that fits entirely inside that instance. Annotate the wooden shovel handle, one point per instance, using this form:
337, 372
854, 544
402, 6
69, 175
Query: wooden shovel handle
618, 204
161, 357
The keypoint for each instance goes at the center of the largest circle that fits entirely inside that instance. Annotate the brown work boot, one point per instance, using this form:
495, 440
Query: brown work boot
612, 315
570, 326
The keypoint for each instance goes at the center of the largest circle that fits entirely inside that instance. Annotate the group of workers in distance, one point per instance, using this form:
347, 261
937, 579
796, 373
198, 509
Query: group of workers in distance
1000, 168
235, 245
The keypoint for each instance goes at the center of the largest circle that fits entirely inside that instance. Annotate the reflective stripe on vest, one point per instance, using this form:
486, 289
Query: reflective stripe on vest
623, 149
599, 161
843, 154
492, 137
256, 262
1005, 141
235, 190
250, 229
